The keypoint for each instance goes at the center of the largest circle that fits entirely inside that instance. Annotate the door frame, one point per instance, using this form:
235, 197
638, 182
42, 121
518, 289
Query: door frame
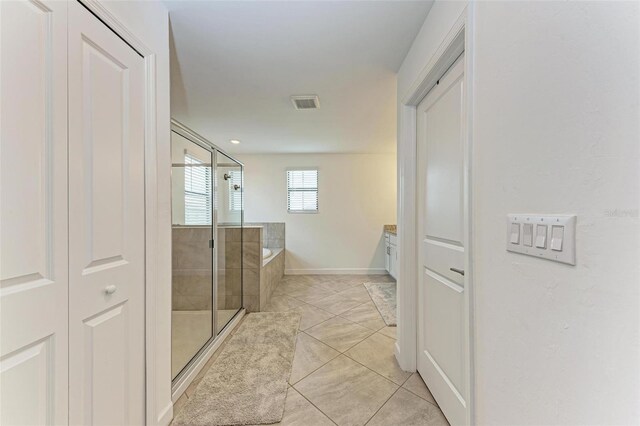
152, 224
459, 39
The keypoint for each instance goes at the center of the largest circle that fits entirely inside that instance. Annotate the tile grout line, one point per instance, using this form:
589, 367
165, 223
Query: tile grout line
383, 404
317, 408
325, 363
398, 387
425, 385
369, 368
358, 342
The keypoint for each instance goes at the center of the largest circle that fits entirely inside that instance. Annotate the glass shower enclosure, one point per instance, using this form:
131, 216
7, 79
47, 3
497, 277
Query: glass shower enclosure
207, 220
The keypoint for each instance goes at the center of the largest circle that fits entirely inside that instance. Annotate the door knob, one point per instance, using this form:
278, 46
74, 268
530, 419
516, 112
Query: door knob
110, 289
457, 271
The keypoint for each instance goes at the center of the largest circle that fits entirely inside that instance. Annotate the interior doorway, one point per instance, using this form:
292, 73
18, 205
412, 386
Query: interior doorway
442, 355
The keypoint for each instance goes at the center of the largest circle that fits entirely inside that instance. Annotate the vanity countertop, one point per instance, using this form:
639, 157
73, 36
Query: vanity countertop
391, 229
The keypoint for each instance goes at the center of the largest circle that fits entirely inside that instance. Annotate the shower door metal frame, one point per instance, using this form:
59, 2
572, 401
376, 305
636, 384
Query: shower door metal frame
192, 368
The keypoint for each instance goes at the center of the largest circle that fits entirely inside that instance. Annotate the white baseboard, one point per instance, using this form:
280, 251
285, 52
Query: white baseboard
338, 271
166, 415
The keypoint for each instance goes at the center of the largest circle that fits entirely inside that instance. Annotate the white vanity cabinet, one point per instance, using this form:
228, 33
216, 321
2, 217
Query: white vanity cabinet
391, 253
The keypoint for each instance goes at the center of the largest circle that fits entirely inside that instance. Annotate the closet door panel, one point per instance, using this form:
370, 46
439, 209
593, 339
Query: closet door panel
106, 210
33, 213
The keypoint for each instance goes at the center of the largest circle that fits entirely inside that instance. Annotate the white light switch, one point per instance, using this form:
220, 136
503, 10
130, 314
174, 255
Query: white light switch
551, 237
527, 234
541, 236
515, 233
557, 234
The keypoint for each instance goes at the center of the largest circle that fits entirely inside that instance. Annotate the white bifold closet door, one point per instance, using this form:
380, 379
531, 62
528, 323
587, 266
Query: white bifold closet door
33, 213
106, 225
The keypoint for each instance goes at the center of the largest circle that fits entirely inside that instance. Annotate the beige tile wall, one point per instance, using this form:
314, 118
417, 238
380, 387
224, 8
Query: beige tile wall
191, 268
270, 276
192, 278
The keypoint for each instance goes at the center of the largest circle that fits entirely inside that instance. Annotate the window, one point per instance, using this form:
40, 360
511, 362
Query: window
235, 190
302, 191
197, 191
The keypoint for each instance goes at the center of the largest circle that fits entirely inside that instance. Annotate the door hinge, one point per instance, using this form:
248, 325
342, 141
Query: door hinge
211, 244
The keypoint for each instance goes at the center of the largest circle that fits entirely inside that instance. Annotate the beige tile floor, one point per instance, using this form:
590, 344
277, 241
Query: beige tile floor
344, 370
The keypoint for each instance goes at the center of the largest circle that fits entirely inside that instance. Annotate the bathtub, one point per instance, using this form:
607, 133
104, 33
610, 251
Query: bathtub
266, 253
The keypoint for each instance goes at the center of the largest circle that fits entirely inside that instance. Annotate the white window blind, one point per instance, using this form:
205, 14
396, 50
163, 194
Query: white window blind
235, 195
302, 191
197, 191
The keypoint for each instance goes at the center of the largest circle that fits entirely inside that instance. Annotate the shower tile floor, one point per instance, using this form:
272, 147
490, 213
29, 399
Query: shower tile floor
344, 369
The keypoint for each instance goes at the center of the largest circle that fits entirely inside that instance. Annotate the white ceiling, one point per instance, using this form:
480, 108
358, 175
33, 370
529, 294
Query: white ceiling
235, 65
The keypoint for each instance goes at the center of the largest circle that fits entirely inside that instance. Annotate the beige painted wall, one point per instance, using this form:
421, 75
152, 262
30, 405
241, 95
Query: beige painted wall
357, 196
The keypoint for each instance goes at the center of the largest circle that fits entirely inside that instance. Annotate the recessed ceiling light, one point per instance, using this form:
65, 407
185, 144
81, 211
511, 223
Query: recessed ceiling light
234, 141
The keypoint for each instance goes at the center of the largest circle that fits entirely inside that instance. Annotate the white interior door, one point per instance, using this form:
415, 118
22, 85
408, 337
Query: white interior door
442, 342
106, 236
33, 213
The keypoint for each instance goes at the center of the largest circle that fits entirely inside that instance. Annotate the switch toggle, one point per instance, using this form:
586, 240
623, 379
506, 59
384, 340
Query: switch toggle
527, 234
541, 236
515, 233
551, 237
557, 235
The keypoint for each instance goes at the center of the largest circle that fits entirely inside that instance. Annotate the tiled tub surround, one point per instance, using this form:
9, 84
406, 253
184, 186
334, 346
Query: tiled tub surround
271, 273
272, 233
192, 266
260, 275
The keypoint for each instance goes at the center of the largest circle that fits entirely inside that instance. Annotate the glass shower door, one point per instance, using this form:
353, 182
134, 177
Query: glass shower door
229, 213
192, 255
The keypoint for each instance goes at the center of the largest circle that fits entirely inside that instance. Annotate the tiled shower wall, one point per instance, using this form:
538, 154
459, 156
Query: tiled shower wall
191, 268
191, 258
251, 243
273, 233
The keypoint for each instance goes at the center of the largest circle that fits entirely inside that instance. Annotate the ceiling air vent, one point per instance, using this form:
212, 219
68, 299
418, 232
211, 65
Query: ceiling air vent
305, 102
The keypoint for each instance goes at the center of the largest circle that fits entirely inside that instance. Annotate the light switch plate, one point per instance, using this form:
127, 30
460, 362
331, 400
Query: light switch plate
567, 253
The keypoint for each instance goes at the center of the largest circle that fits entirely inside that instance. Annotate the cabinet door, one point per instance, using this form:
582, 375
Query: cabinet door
387, 257
106, 241
393, 260
33, 213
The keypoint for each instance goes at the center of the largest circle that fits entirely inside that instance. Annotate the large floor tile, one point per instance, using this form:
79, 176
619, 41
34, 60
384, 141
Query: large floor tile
378, 279
377, 353
287, 287
416, 385
310, 294
338, 283
339, 333
405, 408
310, 355
310, 315
336, 304
347, 392
281, 304
366, 315
358, 293
389, 332
300, 412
